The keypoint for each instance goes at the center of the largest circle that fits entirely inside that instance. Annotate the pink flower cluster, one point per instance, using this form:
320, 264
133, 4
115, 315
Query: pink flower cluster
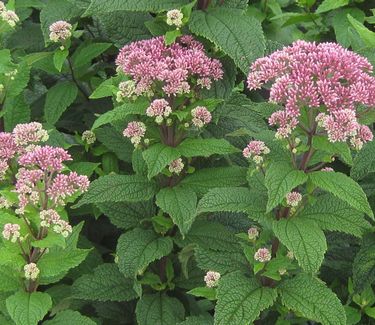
29, 133
159, 108
201, 116
256, 149
212, 279
135, 131
60, 31
262, 255
51, 218
11, 232
293, 198
151, 61
314, 75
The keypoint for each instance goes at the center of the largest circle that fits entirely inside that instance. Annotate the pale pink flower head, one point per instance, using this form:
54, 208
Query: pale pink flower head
160, 109
253, 233
49, 217
135, 131
256, 150
27, 182
314, 75
152, 64
212, 279
64, 186
262, 255
8, 147
201, 116
60, 31
126, 90
10, 17
11, 232
62, 227
29, 133
31, 271
3, 168
174, 17
293, 198
46, 158
327, 169
176, 166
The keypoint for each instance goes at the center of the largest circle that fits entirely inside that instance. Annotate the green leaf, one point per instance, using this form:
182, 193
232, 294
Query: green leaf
10, 280
158, 156
305, 239
105, 89
98, 6
28, 308
59, 58
364, 161
171, 36
106, 283
52, 239
125, 215
84, 167
120, 112
367, 36
180, 203
238, 35
202, 180
205, 319
137, 248
310, 298
330, 213
16, 111
205, 147
205, 292
118, 188
69, 317
364, 264
328, 5
159, 309
241, 299
338, 148
342, 187
59, 98
281, 178
14, 87
87, 52
232, 199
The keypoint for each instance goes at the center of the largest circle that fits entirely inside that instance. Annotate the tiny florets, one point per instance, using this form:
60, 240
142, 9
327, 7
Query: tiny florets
60, 31
88, 137
293, 199
327, 169
48, 217
11, 232
10, 17
135, 131
62, 227
151, 62
176, 166
160, 109
4, 203
126, 90
253, 233
262, 255
29, 133
31, 271
256, 150
174, 17
212, 279
201, 116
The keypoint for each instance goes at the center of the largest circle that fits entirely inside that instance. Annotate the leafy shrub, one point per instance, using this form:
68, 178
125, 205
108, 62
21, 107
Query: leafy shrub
230, 158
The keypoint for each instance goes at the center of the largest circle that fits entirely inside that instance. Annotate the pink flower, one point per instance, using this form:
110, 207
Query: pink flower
3, 168
8, 147
176, 166
49, 217
46, 158
212, 279
314, 75
253, 233
60, 31
151, 62
262, 255
11, 232
135, 131
293, 198
327, 169
159, 108
31, 271
29, 133
256, 149
201, 116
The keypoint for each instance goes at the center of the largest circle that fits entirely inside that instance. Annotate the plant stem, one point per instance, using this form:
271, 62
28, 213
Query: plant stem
83, 91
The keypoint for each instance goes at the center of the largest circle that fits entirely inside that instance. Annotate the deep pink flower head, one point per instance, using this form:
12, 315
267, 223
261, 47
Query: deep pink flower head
46, 158
149, 61
29, 133
314, 75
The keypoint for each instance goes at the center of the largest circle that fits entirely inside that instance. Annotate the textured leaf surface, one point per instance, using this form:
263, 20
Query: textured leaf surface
231, 199
311, 298
15, 111
9, 279
198, 320
159, 156
241, 299
137, 248
341, 23
59, 98
88, 52
344, 188
204, 179
106, 283
205, 147
328, 5
127, 215
159, 309
332, 214
180, 203
305, 239
69, 317
364, 263
364, 161
28, 308
118, 188
280, 179
339, 148
239, 35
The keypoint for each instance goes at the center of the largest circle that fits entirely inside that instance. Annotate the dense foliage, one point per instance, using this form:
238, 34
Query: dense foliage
187, 162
